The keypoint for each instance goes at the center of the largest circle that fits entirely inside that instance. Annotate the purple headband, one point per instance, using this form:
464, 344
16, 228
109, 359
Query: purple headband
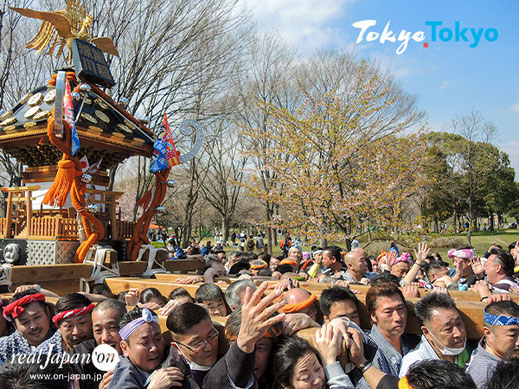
464, 253
130, 328
500, 320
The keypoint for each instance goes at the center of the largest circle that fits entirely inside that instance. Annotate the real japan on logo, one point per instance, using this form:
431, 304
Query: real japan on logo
438, 31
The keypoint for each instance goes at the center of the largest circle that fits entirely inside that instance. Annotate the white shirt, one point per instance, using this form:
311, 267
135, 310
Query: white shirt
423, 351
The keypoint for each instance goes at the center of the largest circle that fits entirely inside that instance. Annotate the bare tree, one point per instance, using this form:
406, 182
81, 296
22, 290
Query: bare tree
225, 167
474, 129
271, 64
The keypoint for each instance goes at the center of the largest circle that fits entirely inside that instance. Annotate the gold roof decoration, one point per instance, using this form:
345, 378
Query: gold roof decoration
63, 26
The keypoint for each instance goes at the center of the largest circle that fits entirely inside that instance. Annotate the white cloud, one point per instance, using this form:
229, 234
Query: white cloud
399, 67
513, 109
445, 84
305, 23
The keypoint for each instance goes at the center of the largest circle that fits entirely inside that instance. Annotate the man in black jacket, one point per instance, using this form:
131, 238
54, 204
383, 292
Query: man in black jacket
195, 343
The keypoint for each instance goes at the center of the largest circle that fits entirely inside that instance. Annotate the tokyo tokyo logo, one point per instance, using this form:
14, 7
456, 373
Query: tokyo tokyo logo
437, 31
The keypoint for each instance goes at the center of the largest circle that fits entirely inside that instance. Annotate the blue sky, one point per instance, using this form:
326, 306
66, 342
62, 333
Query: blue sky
449, 78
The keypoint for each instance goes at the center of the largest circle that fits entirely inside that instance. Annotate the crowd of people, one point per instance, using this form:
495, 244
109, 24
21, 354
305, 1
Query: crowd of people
248, 336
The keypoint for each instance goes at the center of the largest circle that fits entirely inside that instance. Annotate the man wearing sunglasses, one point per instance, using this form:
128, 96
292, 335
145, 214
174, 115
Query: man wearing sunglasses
195, 342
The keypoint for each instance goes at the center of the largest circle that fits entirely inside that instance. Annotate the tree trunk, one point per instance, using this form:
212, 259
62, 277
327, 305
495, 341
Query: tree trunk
275, 211
454, 221
347, 242
269, 230
226, 226
113, 174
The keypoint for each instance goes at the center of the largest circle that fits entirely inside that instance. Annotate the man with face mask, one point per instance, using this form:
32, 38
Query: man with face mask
443, 332
501, 328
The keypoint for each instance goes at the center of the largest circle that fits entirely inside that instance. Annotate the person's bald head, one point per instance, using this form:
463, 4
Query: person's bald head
298, 296
351, 257
356, 263
361, 251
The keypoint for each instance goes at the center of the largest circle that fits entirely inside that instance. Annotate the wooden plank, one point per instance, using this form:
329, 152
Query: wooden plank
457, 295
23, 199
472, 312
176, 276
134, 268
120, 284
61, 288
21, 188
50, 273
131, 268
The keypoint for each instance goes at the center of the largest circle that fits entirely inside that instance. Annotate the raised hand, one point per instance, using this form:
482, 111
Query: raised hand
477, 266
256, 316
422, 253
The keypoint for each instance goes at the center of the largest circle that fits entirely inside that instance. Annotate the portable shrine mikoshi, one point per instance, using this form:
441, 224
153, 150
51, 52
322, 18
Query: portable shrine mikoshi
67, 135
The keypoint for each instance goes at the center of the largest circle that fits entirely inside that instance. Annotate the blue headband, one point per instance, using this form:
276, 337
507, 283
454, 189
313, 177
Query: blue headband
500, 320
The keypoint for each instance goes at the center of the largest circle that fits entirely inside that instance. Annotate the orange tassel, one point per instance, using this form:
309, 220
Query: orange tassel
58, 192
